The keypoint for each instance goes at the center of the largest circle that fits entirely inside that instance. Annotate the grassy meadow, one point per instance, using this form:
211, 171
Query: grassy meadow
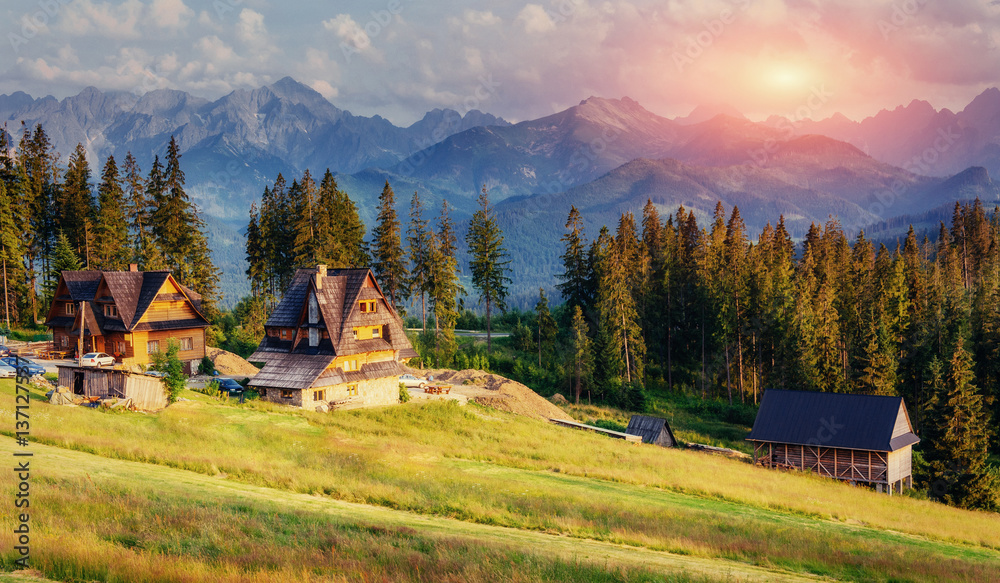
466, 467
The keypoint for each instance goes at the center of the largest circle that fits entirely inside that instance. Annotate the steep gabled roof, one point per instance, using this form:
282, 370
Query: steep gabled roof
82, 285
124, 287
338, 295
291, 371
651, 429
864, 422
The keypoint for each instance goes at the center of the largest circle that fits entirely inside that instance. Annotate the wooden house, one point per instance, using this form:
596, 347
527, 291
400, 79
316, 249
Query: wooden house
128, 314
146, 392
652, 430
334, 339
856, 438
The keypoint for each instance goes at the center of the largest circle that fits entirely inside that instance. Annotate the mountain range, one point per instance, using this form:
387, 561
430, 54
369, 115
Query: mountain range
605, 156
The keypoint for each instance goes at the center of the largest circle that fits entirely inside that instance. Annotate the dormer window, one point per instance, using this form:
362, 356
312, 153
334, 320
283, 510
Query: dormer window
70, 308
111, 311
368, 306
376, 332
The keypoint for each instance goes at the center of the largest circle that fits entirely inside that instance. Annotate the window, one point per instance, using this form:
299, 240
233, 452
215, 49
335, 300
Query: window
368, 305
284, 334
352, 390
313, 337
355, 333
111, 311
376, 332
350, 365
313, 309
121, 348
152, 346
319, 395
187, 344
65, 341
286, 394
71, 308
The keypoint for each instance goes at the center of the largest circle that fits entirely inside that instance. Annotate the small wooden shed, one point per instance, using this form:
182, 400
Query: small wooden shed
856, 438
146, 392
652, 430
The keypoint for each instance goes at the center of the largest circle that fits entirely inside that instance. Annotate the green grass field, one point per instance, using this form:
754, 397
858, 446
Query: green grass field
210, 491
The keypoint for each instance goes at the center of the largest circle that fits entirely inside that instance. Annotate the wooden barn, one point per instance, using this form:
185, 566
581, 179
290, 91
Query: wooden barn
333, 340
127, 314
146, 392
652, 430
856, 438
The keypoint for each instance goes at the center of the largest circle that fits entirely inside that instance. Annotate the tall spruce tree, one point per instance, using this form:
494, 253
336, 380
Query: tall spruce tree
574, 259
179, 231
111, 229
581, 353
421, 254
388, 257
547, 329
76, 205
489, 262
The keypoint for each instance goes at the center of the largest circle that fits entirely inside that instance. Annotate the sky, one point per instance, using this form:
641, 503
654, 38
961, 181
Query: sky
517, 59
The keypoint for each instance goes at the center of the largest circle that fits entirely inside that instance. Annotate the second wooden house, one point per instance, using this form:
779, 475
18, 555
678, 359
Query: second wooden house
127, 314
333, 339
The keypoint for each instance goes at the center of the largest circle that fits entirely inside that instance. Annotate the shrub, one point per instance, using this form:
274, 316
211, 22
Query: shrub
404, 394
609, 424
206, 366
168, 363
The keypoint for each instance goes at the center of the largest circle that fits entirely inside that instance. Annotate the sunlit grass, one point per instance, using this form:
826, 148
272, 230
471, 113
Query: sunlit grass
480, 465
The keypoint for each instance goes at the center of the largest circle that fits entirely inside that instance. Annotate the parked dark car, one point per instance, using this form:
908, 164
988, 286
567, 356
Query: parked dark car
4, 351
229, 386
20, 362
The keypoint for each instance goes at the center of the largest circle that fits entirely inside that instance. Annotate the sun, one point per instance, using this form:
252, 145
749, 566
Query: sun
786, 78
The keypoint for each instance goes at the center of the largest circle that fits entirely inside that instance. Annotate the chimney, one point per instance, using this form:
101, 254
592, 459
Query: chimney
133, 267
320, 274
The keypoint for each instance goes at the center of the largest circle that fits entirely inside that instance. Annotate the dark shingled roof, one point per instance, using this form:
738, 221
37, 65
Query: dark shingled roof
287, 312
652, 430
82, 285
864, 422
291, 371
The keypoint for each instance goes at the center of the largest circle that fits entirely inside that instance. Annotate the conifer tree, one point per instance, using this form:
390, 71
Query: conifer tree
348, 229
616, 304
136, 204
547, 327
179, 231
75, 204
444, 285
111, 229
256, 261
39, 192
958, 436
581, 355
303, 196
489, 261
574, 260
418, 239
388, 258
63, 259
12, 250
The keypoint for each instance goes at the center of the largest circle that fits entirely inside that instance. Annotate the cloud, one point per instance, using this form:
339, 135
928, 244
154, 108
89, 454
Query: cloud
347, 31
325, 89
171, 14
535, 19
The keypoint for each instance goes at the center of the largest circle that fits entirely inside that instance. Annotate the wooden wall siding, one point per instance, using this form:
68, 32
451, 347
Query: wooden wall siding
197, 336
840, 464
274, 396
902, 426
146, 392
169, 311
363, 358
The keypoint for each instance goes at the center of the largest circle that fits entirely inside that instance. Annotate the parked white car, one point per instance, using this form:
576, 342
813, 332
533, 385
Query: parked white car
98, 359
7, 371
412, 382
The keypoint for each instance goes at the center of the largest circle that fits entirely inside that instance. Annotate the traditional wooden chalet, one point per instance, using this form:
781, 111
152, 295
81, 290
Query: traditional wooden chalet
652, 430
333, 339
128, 314
857, 438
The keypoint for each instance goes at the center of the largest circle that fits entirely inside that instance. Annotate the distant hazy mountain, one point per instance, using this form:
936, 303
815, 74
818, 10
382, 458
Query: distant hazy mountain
921, 139
232, 146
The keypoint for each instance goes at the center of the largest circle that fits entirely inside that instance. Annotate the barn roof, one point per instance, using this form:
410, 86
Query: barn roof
82, 285
865, 422
649, 428
291, 371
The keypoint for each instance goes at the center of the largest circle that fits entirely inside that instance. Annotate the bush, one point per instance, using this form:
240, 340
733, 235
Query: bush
404, 394
206, 366
609, 424
168, 363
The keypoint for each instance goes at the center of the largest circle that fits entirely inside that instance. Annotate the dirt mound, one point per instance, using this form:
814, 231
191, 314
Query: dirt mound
558, 399
499, 393
230, 364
